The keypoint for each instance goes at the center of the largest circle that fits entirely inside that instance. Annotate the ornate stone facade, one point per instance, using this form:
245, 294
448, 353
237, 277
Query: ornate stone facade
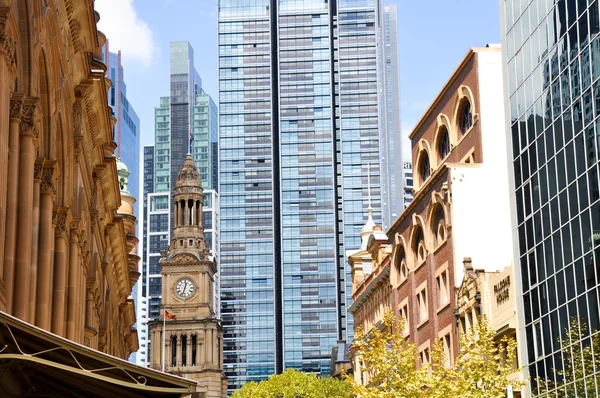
67, 244
192, 344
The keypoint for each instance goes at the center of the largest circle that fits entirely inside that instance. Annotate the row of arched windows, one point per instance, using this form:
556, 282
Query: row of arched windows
444, 137
412, 254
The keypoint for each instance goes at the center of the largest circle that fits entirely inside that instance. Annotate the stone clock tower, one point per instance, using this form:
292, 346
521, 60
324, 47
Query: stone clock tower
193, 341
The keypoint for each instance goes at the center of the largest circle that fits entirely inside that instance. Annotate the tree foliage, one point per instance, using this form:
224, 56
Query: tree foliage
481, 369
576, 377
295, 384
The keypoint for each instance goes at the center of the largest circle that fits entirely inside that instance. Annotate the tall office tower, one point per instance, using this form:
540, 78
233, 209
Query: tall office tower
127, 128
142, 293
127, 136
392, 191
407, 178
552, 54
300, 135
186, 121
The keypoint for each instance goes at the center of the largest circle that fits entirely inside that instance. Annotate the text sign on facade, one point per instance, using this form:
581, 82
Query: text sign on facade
501, 290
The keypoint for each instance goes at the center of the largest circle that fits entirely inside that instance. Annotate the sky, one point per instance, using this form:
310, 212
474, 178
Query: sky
434, 36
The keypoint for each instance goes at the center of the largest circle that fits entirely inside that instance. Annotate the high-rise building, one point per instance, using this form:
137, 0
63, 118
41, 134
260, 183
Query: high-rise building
127, 136
407, 176
185, 122
301, 154
392, 191
552, 66
127, 129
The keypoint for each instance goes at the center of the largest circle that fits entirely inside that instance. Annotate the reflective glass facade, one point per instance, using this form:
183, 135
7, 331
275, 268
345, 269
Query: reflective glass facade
300, 140
126, 133
552, 54
391, 145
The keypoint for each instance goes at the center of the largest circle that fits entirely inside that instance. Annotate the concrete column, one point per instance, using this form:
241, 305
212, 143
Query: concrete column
72, 296
35, 237
10, 242
24, 212
59, 284
45, 252
188, 355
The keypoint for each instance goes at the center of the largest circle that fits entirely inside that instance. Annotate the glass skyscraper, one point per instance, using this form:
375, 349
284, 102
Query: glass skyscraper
127, 136
301, 137
186, 121
552, 54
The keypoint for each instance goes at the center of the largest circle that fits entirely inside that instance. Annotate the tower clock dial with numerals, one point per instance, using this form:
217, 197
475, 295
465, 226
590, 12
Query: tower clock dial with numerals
185, 287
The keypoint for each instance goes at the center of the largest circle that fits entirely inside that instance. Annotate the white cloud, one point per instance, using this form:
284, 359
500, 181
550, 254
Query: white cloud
125, 30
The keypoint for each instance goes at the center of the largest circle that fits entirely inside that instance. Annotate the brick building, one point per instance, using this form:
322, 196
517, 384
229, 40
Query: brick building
460, 209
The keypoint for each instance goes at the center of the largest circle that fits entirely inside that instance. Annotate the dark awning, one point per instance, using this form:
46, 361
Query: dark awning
36, 363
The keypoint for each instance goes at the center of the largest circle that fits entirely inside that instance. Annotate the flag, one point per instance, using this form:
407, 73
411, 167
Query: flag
170, 316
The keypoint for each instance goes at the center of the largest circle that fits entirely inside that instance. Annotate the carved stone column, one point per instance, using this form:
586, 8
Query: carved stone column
35, 237
10, 245
28, 148
188, 354
7, 84
179, 350
72, 297
202, 349
43, 307
60, 273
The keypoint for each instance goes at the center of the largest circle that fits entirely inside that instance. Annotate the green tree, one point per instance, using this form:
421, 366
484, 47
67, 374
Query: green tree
481, 369
295, 384
580, 353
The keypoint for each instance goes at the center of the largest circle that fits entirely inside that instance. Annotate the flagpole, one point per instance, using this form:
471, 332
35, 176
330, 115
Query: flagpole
163, 341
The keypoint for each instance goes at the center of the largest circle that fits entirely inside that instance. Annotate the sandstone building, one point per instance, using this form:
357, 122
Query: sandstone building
190, 344
67, 230
460, 209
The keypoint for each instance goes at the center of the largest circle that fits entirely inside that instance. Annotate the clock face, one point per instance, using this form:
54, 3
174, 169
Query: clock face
184, 287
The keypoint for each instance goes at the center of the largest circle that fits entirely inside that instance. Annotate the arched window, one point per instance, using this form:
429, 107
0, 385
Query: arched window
443, 144
465, 117
419, 246
424, 167
402, 265
173, 350
439, 226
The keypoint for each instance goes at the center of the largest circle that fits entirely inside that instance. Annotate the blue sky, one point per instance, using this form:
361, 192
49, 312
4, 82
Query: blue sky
434, 36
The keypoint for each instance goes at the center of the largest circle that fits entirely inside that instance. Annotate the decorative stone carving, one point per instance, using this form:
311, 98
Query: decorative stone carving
48, 180
30, 119
16, 107
59, 220
77, 118
37, 171
7, 41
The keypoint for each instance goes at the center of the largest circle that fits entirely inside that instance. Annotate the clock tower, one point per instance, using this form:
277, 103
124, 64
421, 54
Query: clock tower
189, 342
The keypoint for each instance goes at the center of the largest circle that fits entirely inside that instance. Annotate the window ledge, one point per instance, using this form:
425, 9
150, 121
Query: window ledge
423, 322
420, 265
440, 246
402, 282
443, 306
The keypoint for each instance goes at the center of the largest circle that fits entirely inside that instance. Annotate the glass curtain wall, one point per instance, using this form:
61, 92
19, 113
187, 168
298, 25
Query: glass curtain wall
553, 59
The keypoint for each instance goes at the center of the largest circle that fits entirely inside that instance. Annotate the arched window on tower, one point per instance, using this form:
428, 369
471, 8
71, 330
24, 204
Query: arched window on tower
173, 351
184, 344
194, 344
